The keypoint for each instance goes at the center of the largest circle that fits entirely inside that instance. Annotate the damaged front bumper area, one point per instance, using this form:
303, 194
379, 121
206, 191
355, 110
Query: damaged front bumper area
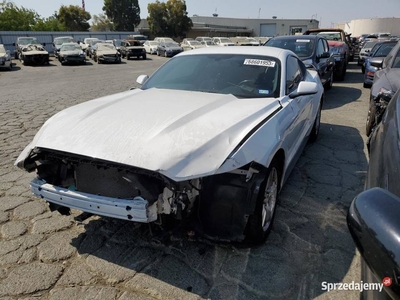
137, 209
107, 188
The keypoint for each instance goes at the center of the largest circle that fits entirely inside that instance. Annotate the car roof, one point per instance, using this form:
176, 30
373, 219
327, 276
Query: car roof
240, 50
297, 37
68, 44
63, 37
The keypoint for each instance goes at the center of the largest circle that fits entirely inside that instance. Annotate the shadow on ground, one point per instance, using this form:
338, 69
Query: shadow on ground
309, 242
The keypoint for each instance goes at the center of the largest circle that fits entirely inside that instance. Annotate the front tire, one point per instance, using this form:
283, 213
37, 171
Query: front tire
370, 118
259, 224
317, 124
328, 85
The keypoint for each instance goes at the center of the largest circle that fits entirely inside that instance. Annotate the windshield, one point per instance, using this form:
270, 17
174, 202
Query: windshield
382, 50
225, 41
153, 43
2, 49
396, 61
331, 36
194, 43
210, 43
369, 44
105, 47
117, 43
26, 41
70, 47
134, 43
302, 47
63, 40
171, 44
244, 76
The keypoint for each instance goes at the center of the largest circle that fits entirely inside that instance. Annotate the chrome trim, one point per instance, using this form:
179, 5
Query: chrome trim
137, 209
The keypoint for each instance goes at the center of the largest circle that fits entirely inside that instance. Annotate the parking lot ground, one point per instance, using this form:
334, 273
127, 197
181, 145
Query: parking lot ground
49, 256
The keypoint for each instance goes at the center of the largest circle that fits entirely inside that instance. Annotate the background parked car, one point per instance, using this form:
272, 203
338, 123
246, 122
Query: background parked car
86, 44
190, 44
168, 49
151, 47
386, 82
117, 44
23, 41
338, 46
221, 41
373, 217
105, 53
58, 41
373, 62
138, 37
164, 39
245, 41
132, 48
364, 51
89, 50
5, 58
312, 50
34, 54
71, 53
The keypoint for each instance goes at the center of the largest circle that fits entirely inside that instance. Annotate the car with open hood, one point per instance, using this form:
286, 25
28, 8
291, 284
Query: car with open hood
34, 54
105, 53
313, 50
5, 58
71, 53
210, 138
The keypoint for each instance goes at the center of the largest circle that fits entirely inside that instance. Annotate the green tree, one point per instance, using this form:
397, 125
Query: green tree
73, 18
125, 14
101, 23
14, 18
48, 24
169, 19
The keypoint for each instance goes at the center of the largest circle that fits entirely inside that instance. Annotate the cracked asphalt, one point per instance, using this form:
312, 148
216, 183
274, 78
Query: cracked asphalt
44, 255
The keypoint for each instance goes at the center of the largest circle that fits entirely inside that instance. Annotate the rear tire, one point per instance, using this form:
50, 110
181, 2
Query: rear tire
260, 223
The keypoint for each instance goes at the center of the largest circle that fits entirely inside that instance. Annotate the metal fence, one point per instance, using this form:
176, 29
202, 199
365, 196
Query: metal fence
8, 38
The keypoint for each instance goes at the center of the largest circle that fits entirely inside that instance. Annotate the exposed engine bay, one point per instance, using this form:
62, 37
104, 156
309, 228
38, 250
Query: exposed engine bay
130, 193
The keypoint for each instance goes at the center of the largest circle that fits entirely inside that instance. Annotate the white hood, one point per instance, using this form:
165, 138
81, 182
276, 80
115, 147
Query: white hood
180, 134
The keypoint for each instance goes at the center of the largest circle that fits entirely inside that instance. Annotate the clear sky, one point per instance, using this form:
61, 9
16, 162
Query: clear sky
327, 12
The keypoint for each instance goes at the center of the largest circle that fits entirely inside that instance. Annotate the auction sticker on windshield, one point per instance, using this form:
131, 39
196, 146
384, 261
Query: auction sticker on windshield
259, 62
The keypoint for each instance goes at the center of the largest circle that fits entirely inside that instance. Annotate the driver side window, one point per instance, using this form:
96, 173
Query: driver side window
294, 74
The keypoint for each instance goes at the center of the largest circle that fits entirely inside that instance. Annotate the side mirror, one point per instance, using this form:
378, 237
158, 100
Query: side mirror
142, 79
366, 51
324, 55
304, 88
376, 64
14, 44
374, 225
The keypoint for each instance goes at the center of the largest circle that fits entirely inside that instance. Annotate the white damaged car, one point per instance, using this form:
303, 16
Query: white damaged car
212, 135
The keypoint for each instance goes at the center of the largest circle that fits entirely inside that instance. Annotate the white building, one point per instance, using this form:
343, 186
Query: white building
361, 26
